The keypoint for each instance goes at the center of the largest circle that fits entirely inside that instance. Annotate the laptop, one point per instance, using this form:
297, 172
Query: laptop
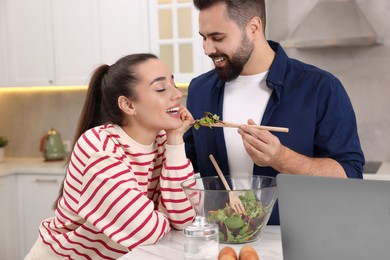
323, 218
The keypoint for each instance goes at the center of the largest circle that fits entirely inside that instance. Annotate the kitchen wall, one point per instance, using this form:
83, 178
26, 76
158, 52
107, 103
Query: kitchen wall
363, 70
26, 116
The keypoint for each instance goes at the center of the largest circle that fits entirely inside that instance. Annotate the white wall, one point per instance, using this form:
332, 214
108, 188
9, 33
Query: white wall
364, 71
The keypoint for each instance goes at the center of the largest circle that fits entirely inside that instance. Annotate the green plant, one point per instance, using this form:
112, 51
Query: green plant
3, 141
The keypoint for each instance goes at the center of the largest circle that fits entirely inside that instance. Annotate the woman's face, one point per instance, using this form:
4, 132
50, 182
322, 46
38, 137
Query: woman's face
158, 100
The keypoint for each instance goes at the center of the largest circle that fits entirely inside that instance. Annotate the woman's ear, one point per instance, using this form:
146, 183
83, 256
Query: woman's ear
126, 105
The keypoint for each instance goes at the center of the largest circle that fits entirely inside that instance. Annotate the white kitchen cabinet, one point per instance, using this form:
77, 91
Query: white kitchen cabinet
55, 42
124, 28
3, 53
36, 195
29, 42
50, 42
76, 40
8, 215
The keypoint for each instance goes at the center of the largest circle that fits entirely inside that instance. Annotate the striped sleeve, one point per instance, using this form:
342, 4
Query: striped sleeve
112, 202
173, 201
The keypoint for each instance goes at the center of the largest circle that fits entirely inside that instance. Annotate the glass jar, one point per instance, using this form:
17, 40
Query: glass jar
201, 240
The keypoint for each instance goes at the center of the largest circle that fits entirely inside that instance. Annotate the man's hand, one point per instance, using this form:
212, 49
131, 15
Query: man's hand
265, 149
262, 146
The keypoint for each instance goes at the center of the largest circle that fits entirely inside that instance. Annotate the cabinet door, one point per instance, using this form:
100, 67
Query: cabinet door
56, 42
51, 42
8, 218
76, 40
29, 42
124, 28
3, 46
37, 194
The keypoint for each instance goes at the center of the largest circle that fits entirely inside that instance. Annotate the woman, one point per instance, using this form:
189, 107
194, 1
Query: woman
122, 187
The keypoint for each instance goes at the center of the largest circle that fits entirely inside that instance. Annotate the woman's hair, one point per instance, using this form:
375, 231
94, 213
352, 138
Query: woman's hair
107, 84
240, 11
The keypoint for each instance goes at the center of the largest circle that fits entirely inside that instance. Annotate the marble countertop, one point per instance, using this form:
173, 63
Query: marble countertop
383, 173
269, 246
31, 166
36, 165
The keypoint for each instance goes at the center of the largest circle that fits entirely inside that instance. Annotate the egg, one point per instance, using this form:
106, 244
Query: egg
226, 252
248, 253
249, 256
226, 257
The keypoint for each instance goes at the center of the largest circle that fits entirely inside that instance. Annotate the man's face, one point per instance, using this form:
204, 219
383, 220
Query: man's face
224, 42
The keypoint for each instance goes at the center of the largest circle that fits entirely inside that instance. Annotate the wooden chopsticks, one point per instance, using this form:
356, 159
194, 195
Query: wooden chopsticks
235, 125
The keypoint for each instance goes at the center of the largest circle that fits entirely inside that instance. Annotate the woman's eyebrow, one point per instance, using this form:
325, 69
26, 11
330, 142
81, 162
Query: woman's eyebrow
159, 79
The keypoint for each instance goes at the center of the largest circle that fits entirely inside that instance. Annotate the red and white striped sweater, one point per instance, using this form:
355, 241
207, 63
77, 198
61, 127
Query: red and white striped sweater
118, 194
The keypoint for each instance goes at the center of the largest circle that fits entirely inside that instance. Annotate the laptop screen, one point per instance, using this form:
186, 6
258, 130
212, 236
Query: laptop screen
329, 218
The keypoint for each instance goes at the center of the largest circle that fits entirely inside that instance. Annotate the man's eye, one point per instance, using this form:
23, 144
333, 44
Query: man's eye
160, 90
218, 39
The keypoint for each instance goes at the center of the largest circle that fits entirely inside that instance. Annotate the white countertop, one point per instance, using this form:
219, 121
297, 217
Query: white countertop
383, 173
39, 166
268, 247
31, 166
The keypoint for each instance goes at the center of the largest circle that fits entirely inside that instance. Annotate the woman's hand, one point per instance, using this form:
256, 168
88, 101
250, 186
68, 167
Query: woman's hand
175, 136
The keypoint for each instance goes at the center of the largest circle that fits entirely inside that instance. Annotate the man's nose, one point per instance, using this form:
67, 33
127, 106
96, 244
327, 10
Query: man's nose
208, 47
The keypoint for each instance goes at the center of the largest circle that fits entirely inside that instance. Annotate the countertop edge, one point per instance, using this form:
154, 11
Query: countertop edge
32, 165
37, 165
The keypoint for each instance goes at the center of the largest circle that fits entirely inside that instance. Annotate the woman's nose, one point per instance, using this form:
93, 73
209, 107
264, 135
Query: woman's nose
177, 94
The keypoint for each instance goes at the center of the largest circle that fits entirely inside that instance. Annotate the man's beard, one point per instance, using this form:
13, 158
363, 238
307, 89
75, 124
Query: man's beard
234, 67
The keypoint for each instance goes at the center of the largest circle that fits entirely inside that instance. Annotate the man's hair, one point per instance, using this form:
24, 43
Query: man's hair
240, 11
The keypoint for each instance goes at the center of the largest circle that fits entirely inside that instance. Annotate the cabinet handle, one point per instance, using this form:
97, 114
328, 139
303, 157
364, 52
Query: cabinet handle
46, 180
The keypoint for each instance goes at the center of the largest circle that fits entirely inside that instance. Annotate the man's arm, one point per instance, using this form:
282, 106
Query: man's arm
265, 149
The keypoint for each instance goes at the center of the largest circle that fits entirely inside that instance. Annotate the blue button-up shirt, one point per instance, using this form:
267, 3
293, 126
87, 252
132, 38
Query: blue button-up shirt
311, 102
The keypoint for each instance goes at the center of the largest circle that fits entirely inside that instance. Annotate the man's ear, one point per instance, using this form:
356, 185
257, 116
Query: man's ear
126, 105
255, 25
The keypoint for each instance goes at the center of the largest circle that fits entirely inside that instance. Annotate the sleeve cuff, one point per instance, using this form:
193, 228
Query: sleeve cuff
175, 155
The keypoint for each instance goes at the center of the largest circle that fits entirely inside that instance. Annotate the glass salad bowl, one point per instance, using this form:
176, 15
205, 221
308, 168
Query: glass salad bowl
211, 202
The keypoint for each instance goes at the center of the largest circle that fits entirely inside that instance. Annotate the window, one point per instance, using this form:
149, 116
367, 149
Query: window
174, 38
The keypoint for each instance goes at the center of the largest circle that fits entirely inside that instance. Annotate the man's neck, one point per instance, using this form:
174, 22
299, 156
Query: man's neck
261, 59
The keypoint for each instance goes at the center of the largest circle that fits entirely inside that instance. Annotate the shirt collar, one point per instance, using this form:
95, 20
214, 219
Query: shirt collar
278, 67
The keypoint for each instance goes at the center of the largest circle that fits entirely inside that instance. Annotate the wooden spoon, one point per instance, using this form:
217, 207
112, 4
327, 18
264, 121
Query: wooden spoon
235, 201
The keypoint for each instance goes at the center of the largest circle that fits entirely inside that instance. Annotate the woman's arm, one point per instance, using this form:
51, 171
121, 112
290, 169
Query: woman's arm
173, 202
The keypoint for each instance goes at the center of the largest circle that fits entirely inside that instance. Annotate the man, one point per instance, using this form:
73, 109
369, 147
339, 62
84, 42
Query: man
254, 81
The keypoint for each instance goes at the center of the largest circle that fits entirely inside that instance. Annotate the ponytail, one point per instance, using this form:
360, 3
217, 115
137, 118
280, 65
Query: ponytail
91, 113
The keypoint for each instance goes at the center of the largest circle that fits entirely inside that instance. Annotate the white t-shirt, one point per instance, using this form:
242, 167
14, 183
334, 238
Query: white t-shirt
244, 98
